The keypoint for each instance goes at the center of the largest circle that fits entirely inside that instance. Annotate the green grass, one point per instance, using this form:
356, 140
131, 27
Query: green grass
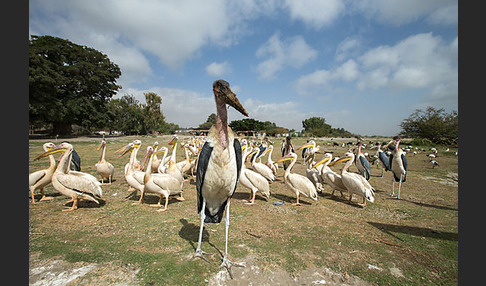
417, 234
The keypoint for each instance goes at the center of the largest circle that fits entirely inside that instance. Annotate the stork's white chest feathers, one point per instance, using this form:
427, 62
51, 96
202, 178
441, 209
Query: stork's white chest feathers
221, 173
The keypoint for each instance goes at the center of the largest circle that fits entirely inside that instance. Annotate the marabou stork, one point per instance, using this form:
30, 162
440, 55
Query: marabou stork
362, 164
398, 166
218, 168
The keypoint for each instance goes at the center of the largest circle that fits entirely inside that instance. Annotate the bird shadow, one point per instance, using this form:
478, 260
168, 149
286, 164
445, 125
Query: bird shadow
246, 196
413, 230
87, 204
289, 199
190, 232
422, 204
152, 199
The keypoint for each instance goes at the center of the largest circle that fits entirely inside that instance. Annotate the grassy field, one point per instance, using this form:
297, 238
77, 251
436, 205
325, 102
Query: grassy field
412, 241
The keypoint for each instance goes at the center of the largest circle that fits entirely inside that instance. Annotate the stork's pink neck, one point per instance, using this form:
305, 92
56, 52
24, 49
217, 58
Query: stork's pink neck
222, 122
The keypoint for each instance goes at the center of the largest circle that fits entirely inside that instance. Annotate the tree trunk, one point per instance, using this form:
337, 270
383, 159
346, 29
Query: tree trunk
62, 128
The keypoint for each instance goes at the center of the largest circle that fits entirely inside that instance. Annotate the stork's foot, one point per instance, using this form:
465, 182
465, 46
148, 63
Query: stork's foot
199, 253
228, 264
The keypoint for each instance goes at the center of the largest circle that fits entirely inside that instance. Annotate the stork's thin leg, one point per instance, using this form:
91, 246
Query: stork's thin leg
226, 262
393, 188
399, 186
199, 252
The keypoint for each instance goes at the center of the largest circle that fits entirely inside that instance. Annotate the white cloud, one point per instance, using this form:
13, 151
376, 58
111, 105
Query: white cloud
400, 12
292, 52
218, 69
347, 72
315, 13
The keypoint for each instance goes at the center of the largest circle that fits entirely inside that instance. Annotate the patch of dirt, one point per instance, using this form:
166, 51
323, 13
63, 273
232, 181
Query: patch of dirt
57, 272
451, 180
253, 274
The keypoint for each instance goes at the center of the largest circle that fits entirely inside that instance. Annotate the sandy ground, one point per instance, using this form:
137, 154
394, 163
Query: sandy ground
56, 272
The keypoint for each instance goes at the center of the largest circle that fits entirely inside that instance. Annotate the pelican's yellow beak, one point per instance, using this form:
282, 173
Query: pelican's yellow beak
325, 159
343, 159
50, 152
285, 158
305, 146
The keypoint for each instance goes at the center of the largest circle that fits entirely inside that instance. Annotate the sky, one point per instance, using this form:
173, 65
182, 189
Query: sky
363, 65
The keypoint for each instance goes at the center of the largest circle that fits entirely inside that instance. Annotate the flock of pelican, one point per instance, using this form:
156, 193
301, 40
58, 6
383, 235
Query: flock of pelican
218, 162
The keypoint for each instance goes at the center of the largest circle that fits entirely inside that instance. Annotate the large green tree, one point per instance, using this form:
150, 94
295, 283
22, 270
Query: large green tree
433, 124
126, 115
209, 122
153, 117
69, 84
316, 126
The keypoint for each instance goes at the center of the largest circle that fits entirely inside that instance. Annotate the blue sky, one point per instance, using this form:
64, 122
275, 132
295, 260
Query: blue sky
362, 65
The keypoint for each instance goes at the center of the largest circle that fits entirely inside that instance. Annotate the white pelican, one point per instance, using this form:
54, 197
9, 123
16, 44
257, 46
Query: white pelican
41, 178
104, 168
362, 164
162, 184
355, 183
296, 182
330, 177
218, 167
134, 177
251, 179
260, 168
270, 163
155, 161
172, 169
310, 150
398, 166
313, 174
74, 184
136, 164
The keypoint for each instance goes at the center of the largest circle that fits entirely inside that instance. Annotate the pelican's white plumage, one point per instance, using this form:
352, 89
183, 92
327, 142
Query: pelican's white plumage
296, 182
163, 185
355, 183
73, 184
104, 168
41, 178
330, 177
251, 179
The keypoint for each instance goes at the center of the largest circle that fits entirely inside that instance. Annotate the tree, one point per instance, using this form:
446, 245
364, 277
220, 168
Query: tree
69, 84
316, 126
126, 115
432, 124
247, 124
209, 122
153, 118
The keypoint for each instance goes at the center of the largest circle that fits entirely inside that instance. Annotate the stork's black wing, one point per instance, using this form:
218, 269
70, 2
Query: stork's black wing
405, 166
384, 160
202, 165
366, 164
239, 160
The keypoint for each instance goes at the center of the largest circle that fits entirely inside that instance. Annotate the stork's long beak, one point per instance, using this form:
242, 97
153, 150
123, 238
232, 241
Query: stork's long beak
50, 152
229, 97
325, 159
